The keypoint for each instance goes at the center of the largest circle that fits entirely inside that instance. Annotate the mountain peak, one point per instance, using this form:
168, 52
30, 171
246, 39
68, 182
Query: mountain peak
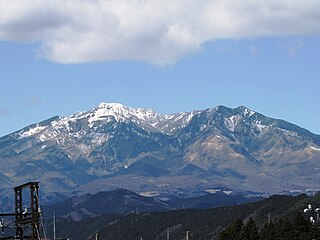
112, 105
240, 111
121, 112
147, 118
245, 110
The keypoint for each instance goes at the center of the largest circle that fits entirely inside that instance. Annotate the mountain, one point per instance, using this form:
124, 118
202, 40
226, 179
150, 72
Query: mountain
119, 201
201, 223
210, 200
114, 146
124, 202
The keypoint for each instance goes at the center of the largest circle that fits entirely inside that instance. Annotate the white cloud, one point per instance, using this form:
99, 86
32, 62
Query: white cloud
156, 31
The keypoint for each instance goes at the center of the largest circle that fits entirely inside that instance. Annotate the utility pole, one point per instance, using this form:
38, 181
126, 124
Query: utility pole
54, 226
168, 234
187, 235
2, 225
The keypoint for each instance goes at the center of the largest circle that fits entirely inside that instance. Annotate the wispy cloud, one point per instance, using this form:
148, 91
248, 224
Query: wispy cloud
33, 101
157, 31
5, 112
254, 50
294, 46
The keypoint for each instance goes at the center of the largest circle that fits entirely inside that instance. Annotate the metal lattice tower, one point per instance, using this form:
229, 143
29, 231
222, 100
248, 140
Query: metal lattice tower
24, 218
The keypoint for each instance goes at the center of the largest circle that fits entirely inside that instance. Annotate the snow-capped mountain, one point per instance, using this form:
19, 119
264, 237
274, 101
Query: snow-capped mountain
114, 145
146, 118
84, 123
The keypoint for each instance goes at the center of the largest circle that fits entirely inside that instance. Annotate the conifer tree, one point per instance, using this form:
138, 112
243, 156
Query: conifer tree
300, 223
267, 232
249, 231
232, 231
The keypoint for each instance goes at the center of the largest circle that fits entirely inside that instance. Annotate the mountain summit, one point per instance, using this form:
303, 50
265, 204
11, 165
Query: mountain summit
113, 146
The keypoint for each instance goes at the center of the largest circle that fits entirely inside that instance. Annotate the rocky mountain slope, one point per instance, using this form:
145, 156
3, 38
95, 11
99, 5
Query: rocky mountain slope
115, 146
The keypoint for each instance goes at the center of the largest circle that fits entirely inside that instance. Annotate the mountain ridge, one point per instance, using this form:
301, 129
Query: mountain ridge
111, 143
124, 202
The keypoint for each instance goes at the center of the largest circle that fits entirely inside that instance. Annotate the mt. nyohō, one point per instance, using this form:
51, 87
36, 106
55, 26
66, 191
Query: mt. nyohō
115, 146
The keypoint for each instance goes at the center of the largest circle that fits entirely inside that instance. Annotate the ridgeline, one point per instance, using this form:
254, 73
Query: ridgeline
284, 213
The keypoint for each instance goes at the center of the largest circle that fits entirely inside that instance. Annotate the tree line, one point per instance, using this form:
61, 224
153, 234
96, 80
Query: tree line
298, 228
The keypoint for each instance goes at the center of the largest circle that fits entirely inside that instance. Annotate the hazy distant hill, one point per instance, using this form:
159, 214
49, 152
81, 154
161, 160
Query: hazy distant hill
123, 202
120, 201
114, 146
201, 224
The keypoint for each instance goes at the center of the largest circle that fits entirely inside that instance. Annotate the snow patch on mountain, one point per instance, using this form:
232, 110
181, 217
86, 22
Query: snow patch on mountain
314, 148
117, 111
62, 124
288, 132
261, 126
32, 131
203, 126
231, 122
248, 112
228, 192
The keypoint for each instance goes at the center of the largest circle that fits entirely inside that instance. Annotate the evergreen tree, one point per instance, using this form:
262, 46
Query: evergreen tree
253, 231
268, 232
315, 232
232, 232
299, 222
249, 231
283, 228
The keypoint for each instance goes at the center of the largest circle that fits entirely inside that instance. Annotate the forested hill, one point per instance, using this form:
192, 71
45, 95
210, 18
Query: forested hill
201, 224
282, 228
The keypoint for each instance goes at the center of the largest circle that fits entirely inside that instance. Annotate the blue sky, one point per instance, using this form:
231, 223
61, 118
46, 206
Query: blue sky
275, 72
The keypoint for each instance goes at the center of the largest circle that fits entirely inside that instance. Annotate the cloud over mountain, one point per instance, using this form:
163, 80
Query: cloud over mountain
156, 31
